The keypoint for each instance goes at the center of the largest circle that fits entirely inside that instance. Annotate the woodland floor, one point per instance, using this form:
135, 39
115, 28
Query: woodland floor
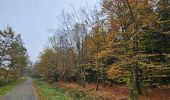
121, 92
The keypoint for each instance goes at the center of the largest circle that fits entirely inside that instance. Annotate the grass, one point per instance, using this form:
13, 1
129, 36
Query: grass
49, 92
9, 86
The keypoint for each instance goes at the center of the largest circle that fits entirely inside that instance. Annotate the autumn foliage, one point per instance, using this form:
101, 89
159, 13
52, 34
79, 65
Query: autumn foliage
126, 43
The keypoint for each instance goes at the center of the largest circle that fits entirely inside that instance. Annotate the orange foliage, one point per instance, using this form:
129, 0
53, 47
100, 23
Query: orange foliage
111, 35
132, 1
114, 71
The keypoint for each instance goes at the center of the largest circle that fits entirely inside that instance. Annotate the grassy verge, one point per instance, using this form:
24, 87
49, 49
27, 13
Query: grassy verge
48, 92
9, 86
71, 91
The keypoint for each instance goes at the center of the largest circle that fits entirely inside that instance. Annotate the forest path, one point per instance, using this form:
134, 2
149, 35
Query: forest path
24, 91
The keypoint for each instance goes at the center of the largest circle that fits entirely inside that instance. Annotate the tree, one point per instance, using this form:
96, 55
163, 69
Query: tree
13, 56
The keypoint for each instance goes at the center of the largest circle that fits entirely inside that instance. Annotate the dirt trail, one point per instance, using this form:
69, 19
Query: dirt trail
24, 91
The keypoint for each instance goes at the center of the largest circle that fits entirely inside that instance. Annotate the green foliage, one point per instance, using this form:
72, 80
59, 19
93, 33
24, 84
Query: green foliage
9, 86
13, 55
48, 92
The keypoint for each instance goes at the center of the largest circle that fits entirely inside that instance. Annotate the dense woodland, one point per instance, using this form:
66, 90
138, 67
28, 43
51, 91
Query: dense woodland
125, 42
13, 56
118, 42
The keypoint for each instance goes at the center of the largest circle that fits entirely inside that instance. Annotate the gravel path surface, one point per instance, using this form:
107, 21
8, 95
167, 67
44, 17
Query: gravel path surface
24, 91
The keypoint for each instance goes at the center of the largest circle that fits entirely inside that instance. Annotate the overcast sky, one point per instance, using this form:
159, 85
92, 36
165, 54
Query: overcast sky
32, 18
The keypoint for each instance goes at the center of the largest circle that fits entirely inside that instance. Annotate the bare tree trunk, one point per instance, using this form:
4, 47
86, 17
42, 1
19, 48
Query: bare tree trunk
97, 76
136, 83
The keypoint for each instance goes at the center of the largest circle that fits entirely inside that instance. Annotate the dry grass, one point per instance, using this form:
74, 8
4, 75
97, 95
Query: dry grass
115, 92
89, 93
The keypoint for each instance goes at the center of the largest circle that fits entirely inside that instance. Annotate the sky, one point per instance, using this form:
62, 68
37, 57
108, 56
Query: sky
33, 18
